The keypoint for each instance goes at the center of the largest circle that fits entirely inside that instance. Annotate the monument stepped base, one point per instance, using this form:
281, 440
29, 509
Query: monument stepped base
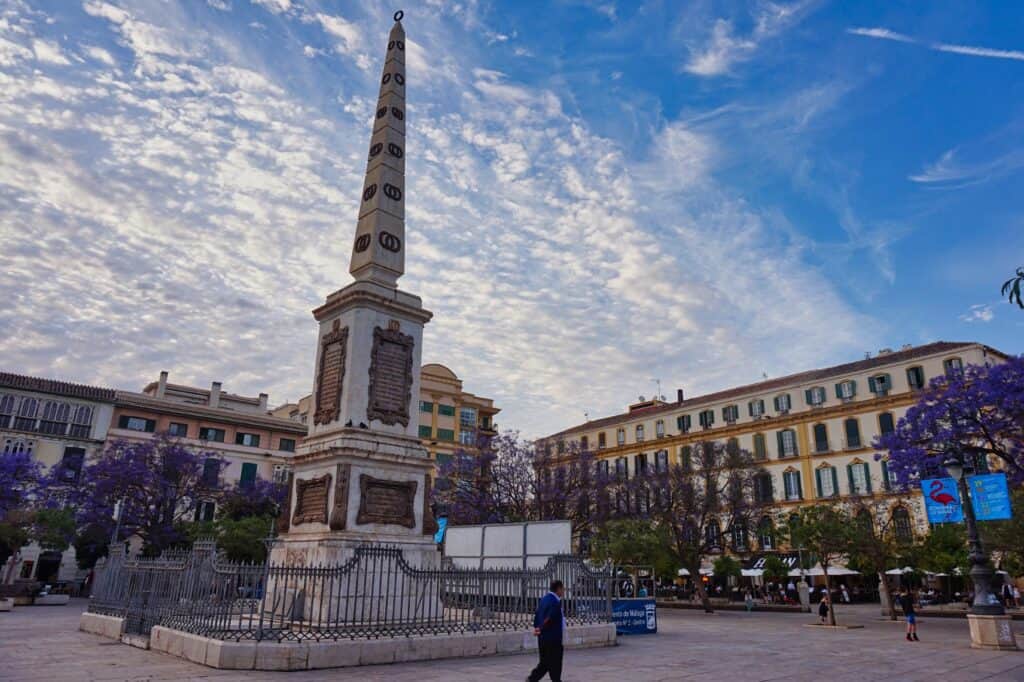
216, 653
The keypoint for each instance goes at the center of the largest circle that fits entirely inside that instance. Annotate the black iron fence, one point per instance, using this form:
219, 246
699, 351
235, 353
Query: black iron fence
375, 593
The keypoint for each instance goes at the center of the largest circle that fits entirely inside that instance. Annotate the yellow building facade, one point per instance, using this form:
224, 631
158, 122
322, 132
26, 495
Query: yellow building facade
811, 432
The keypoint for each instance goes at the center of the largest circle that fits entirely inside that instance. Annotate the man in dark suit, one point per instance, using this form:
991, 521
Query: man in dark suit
549, 627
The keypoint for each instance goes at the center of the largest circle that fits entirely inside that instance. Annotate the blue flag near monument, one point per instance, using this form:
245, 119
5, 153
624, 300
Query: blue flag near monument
990, 497
941, 501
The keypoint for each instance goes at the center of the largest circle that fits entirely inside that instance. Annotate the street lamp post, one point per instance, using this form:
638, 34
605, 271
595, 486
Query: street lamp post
981, 572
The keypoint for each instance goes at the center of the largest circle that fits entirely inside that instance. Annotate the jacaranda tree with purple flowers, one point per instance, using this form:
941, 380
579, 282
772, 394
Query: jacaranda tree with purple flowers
19, 478
978, 412
159, 483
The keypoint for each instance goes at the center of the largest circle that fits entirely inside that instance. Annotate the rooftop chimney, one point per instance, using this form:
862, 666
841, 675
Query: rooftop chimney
679, 395
161, 386
215, 394
263, 400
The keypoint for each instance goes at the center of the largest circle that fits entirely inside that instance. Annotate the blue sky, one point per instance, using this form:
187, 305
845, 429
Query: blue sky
600, 193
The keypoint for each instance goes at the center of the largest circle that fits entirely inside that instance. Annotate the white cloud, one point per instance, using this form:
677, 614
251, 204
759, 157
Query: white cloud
970, 50
202, 194
49, 52
979, 313
716, 55
344, 30
274, 6
99, 54
222, 5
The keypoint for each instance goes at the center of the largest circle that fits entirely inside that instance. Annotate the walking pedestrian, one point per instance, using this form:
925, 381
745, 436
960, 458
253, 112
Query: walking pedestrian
1007, 594
846, 595
749, 599
907, 604
823, 606
549, 628
1016, 596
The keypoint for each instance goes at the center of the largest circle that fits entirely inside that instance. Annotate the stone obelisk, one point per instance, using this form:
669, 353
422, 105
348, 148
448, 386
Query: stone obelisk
361, 475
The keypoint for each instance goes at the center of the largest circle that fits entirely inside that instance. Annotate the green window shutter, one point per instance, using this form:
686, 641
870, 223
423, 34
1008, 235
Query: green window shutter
871, 385
839, 390
817, 478
853, 388
867, 475
787, 484
782, 452
885, 475
800, 486
808, 397
425, 431
750, 409
248, 472
835, 482
849, 476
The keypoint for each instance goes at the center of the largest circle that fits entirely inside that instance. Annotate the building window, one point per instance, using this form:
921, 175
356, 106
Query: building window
787, 443
584, 443
622, 468
760, 447
707, 418
426, 431
730, 413
828, 482
426, 406
177, 429
6, 411
467, 437
661, 461
766, 533
852, 429
846, 390
820, 438
446, 435
26, 419
859, 478
888, 477
659, 429
755, 408
880, 384
211, 472
446, 410
71, 464
211, 434
732, 447
686, 458
137, 423
712, 535
885, 423
601, 441
902, 529
467, 417
639, 433
794, 487
915, 377
815, 396
286, 444
248, 476
739, 535
620, 436
763, 487
602, 470
640, 467
81, 424
783, 403
952, 366
205, 510
55, 418
14, 447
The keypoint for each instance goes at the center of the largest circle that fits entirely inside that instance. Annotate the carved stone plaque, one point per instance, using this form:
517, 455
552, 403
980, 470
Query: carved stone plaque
331, 374
339, 514
429, 522
311, 500
285, 515
384, 501
390, 377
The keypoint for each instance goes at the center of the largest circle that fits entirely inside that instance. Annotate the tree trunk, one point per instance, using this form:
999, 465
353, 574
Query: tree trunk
886, 595
705, 601
828, 591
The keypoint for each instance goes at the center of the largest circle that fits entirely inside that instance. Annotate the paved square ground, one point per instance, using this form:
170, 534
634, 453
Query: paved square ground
43, 643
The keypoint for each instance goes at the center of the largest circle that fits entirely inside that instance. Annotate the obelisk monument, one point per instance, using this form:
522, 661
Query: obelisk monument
361, 475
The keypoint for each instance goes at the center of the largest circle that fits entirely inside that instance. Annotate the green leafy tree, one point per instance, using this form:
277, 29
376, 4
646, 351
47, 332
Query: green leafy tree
1012, 288
634, 542
726, 567
873, 545
775, 568
826, 531
1006, 538
54, 529
13, 536
942, 550
244, 539
91, 543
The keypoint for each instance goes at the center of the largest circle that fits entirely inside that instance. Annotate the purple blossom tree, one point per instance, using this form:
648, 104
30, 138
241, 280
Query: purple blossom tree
159, 483
978, 412
20, 475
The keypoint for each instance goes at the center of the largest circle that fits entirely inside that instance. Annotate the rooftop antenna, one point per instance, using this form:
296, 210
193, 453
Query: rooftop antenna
586, 416
764, 376
657, 394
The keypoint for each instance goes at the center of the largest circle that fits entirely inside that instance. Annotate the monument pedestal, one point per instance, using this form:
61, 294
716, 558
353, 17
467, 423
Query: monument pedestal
992, 632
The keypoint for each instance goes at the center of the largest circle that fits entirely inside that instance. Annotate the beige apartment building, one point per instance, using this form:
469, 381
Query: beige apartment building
449, 417
812, 431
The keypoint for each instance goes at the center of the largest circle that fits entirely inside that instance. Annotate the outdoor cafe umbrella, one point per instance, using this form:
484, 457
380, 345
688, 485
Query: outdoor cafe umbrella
899, 571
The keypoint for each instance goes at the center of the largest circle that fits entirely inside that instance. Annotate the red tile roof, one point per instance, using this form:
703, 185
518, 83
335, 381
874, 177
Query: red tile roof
781, 382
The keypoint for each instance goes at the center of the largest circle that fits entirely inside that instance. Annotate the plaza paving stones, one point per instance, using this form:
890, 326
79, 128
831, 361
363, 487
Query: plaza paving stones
45, 644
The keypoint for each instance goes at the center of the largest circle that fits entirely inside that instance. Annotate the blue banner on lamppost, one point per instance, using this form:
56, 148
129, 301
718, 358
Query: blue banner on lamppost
989, 497
941, 501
